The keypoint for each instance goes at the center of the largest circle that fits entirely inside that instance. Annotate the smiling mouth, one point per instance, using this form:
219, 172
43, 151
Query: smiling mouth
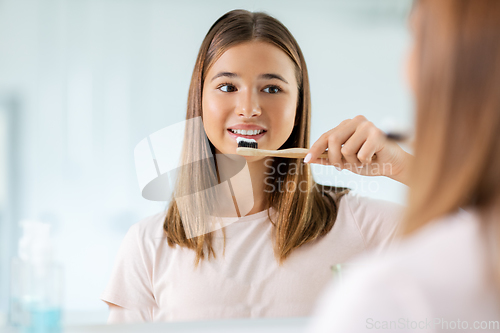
247, 132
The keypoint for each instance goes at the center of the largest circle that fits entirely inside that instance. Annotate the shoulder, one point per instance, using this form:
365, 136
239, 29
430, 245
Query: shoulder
415, 255
419, 278
148, 228
358, 204
429, 265
131, 283
370, 212
443, 240
142, 241
376, 220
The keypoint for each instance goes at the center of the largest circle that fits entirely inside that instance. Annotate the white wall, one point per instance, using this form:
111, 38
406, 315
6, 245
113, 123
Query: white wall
4, 239
96, 77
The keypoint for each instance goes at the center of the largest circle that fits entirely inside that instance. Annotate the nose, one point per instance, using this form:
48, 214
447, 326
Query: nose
248, 105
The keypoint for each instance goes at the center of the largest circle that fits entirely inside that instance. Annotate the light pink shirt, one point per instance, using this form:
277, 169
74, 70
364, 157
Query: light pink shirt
155, 282
438, 280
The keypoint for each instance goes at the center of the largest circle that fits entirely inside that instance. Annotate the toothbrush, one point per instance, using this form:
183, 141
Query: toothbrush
249, 147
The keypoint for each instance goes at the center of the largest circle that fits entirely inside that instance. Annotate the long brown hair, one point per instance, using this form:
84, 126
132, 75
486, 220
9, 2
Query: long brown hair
304, 213
457, 87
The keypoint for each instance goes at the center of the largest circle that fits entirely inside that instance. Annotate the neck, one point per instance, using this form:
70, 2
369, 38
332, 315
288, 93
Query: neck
259, 170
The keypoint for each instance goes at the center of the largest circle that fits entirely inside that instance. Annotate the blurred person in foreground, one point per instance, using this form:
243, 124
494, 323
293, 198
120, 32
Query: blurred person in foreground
444, 275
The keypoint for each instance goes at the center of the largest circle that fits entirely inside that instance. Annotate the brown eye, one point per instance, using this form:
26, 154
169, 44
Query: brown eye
226, 87
272, 89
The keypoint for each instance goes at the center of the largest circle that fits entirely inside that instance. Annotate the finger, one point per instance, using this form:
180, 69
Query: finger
317, 149
353, 145
339, 141
333, 140
334, 155
367, 151
376, 142
334, 145
340, 134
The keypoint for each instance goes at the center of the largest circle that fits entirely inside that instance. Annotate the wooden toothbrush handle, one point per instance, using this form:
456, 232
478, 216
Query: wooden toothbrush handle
294, 153
286, 153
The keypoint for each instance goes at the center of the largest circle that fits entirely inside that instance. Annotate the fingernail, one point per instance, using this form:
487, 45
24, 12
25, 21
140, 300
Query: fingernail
307, 158
338, 169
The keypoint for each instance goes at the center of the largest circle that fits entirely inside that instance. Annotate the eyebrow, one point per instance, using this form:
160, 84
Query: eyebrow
267, 76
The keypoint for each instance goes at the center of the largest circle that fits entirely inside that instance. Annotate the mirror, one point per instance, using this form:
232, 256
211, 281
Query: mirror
95, 78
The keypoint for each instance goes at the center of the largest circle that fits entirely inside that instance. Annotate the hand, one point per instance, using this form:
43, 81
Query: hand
360, 147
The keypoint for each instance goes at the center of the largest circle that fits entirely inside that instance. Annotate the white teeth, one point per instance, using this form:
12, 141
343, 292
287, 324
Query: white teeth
245, 132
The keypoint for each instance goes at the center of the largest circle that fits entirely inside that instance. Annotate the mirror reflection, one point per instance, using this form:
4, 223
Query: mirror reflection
238, 236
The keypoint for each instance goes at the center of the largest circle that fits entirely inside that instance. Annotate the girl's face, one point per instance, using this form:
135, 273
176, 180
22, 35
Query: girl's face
250, 92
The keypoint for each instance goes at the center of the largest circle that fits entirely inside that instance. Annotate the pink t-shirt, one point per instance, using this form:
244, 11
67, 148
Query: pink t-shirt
437, 280
155, 282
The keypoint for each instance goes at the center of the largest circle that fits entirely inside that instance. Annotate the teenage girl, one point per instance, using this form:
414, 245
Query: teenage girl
250, 75
445, 276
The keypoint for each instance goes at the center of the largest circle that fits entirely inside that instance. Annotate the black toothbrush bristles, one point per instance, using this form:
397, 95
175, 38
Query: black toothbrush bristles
247, 143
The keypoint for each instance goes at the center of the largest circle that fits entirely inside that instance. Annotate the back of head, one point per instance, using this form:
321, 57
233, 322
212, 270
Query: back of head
457, 86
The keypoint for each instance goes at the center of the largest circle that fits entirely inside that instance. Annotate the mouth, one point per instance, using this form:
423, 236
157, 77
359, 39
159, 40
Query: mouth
248, 134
